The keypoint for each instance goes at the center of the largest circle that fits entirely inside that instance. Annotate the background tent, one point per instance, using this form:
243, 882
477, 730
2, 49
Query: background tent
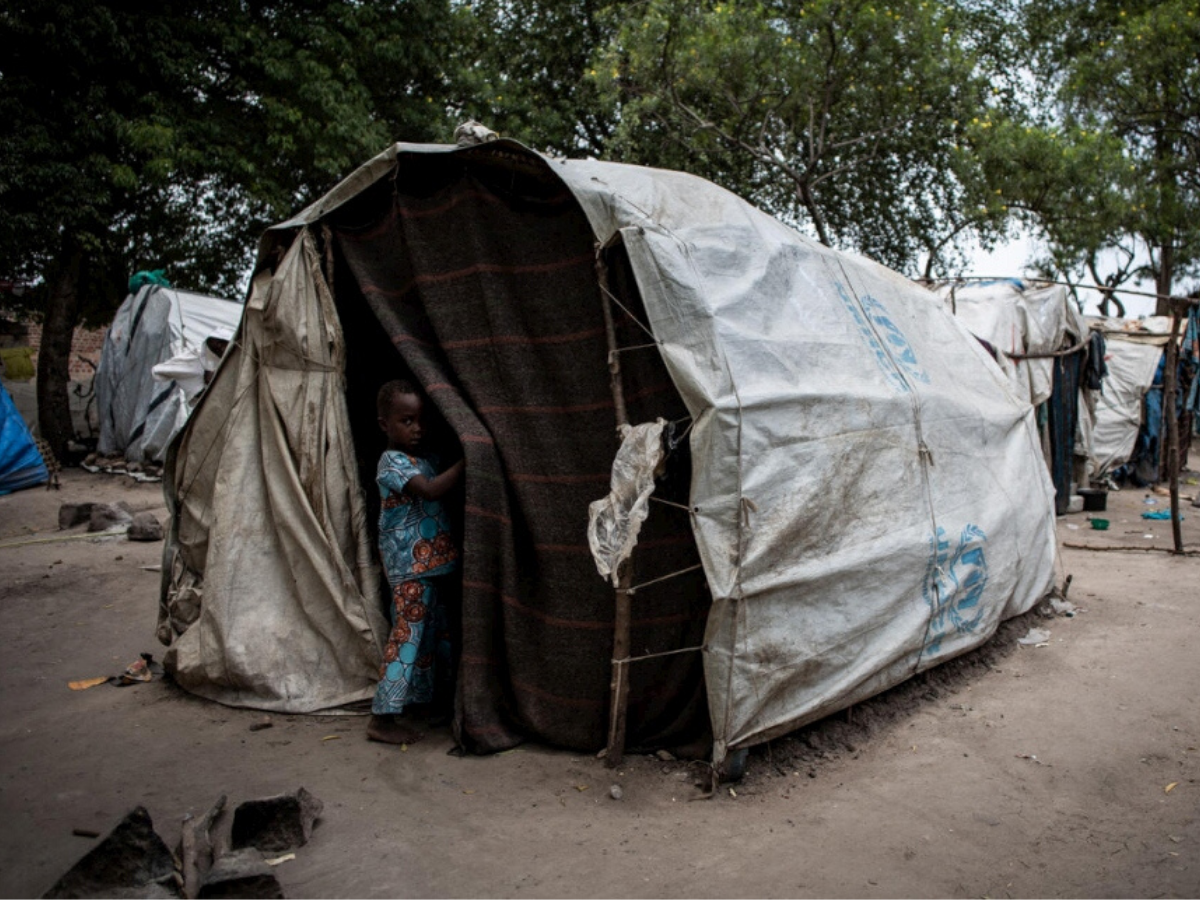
863, 494
138, 414
1017, 320
21, 464
1041, 341
1134, 353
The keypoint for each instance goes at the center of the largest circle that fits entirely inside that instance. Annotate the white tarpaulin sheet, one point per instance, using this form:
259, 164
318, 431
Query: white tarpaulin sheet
869, 495
1132, 357
139, 415
1017, 320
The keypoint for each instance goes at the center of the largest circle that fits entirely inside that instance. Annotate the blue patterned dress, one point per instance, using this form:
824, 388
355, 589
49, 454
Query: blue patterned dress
415, 546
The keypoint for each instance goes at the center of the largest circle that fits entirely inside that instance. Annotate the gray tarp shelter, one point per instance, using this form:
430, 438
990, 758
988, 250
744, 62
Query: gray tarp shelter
1134, 350
138, 414
859, 488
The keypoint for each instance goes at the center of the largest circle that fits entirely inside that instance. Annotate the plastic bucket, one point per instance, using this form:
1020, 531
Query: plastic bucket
1094, 500
1100, 524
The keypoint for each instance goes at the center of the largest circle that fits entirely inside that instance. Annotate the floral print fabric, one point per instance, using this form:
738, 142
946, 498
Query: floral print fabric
414, 534
415, 544
419, 640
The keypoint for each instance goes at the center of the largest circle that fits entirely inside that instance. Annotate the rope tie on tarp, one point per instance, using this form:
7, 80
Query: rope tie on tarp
629, 659
637, 587
1069, 351
646, 328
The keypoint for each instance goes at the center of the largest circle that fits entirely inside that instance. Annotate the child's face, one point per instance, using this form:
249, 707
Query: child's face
402, 424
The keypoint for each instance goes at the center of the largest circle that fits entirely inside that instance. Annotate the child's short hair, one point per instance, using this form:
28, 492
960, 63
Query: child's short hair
388, 392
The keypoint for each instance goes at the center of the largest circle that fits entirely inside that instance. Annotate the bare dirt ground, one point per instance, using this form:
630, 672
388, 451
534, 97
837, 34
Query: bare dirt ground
1016, 771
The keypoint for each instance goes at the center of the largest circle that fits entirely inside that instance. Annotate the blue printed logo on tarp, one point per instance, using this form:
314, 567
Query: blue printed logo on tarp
954, 585
901, 355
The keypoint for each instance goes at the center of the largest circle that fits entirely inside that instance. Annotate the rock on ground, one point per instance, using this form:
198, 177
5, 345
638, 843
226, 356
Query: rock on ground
145, 527
132, 861
276, 824
241, 873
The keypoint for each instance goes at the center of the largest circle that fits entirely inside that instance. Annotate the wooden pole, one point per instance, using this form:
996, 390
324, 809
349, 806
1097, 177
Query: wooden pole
619, 687
623, 622
1172, 422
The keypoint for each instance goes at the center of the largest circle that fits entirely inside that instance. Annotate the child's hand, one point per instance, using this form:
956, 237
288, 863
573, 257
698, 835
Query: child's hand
434, 488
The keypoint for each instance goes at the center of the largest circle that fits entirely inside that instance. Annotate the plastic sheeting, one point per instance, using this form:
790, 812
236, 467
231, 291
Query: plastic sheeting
21, 464
869, 498
268, 565
139, 415
1017, 320
1132, 361
614, 522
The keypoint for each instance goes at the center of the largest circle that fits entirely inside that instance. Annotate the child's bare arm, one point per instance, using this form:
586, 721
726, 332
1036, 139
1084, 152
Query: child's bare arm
434, 488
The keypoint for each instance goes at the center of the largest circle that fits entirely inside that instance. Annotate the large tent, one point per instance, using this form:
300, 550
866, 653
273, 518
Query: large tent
854, 495
139, 415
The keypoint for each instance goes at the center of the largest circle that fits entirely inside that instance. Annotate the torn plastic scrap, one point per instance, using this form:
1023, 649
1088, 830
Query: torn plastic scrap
615, 521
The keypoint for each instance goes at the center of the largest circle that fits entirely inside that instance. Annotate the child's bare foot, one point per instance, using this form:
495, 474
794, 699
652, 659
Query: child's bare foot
387, 730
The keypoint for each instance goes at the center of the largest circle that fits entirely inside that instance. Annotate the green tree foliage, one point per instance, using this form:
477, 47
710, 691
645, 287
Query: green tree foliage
169, 136
849, 117
526, 71
1071, 187
1125, 75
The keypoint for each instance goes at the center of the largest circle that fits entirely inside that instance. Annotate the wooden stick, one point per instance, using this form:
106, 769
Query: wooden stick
623, 622
1076, 546
619, 704
1169, 380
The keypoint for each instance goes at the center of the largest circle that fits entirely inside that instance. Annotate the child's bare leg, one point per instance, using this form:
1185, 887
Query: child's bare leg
389, 731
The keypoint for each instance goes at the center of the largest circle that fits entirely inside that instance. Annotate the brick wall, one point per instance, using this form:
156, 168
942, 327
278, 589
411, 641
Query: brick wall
87, 342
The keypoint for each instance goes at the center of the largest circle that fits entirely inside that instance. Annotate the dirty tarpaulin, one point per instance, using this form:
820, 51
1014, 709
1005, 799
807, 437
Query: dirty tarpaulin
867, 497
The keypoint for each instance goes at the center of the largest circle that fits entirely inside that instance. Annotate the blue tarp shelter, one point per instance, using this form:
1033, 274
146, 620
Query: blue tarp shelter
21, 465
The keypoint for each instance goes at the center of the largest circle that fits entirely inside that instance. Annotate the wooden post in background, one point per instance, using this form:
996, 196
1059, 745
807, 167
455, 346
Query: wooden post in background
1169, 414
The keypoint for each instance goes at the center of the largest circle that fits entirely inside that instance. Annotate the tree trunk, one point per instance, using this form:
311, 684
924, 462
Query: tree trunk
1166, 265
814, 211
54, 356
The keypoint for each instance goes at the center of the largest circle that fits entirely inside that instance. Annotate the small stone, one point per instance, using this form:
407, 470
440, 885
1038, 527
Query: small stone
145, 527
72, 514
665, 755
261, 724
105, 517
615, 792
242, 873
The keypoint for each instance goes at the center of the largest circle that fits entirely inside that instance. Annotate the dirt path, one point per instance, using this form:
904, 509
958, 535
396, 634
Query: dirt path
933, 791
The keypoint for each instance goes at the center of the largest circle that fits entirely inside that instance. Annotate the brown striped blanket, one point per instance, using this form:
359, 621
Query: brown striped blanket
485, 286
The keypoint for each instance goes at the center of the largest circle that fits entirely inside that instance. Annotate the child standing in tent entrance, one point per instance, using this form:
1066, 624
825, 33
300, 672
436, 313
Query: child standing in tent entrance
416, 547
